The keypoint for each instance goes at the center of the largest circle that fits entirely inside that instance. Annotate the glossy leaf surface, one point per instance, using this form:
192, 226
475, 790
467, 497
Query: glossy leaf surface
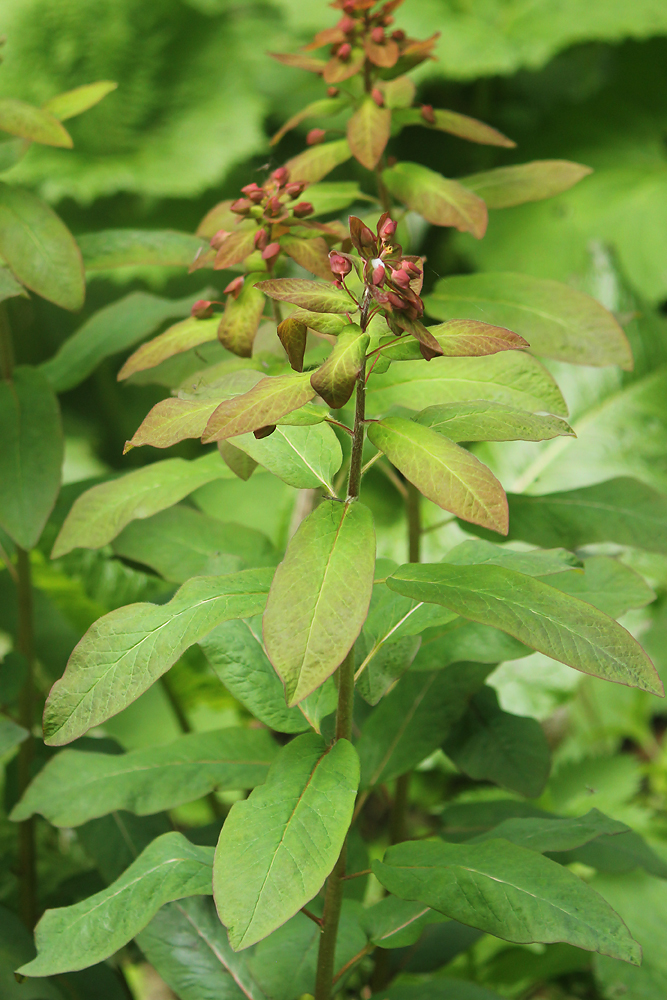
317, 296
441, 201
335, 379
507, 186
482, 420
264, 404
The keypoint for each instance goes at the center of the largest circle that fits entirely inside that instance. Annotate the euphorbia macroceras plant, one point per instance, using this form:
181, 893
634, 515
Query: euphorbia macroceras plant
365, 667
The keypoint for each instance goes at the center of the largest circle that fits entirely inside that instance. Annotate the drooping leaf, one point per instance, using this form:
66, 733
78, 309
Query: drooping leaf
320, 596
181, 542
445, 473
507, 186
488, 744
557, 321
236, 653
460, 338
242, 465
125, 651
112, 329
76, 785
335, 379
324, 108
607, 584
536, 614
31, 455
317, 296
75, 102
312, 254
555, 834
509, 891
240, 320
413, 719
368, 131
264, 404
29, 122
482, 420
318, 161
138, 248
293, 335
10, 735
102, 512
278, 846
78, 936
306, 457
512, 378
39, 248
330, 323
441, 201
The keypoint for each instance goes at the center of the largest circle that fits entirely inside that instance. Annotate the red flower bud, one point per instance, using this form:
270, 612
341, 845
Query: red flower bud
363, 238
273, 206
387, 228
241, 206
234, 287
347, 24
218, 238
401, 278
377, 34
377, 97
344, 51
396, 301
349, 6
281, 175
271, 251
333, 91
398, 36
315, 136
378, 275
427, 114
202, 309
339, 265
295, 188
254, 192
261, 239
387, 20
302, 209
413, 269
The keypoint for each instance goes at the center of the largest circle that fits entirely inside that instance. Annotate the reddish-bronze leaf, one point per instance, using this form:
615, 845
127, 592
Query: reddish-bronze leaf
337, 70
463, 338
181, 337
385, 54
293, 335
329, 36
368, 132
441, 201
261, 407
313, 255
299, 61
235, 248
171, 421
312, 295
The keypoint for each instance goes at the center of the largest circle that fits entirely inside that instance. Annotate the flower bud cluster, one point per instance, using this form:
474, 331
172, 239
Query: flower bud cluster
364, 28
273, 200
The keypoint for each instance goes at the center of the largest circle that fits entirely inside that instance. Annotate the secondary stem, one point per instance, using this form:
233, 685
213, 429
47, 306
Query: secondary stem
24, 643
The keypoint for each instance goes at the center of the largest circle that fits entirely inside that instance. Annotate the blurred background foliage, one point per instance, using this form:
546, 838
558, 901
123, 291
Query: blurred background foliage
188, 125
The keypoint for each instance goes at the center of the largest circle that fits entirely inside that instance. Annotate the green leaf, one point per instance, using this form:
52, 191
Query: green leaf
508, 186
293, 335
102, 512
238, 245
557, 321
125, 651
31, 455
536, 614
441, 201
398, 923
16, 947
511, 378
322, 322
445, 473
482, 420
333, 196
318, 161
10, 735
456, 124
12, 152
236, 654
183, 336
465, 338
488, 744
9, 287
398, 93
508, 891
538, 562
312, 254
555, 834
112, 329
75, 102
278, 846
464, 820
263, 405
368, 131
171, 421
240, 320
607, 584
324, 108
139, 248
75, 937
622, 510
28, 122
413, 719
442, 988
380, 666
335, 379
465, 640
320, 595
242, 465
306, 457
181, 542
113, 842
624, 852
318, 296
39, 248
77, 785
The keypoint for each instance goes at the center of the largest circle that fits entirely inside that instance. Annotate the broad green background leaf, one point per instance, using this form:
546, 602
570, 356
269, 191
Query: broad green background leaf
537, 562
31, 455
466, 640
555, 834
9, 287
139, 248
607, 584
305, 457
480, 420
16, 947
320, 595
10, 735
442, 988
398, 923
76, 786
101, 513
39, 248
509, 891
71, 103
333, 196
278, 846
124, 652
441, 201
556, 320
508, 186
556, 624
37, 124
75, 937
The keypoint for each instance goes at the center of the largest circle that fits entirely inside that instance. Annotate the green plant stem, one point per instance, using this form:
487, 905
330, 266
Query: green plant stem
412, 502
26, 833
354, 481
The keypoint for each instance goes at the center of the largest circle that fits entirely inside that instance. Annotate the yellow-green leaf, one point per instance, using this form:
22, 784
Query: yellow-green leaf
368, 132
262, 406
335, 379
441, 201
75, 102
318, 161
29, 122
507, 186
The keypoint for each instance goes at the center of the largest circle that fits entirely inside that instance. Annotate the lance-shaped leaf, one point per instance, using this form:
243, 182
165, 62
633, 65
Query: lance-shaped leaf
441, 201
242, 465
125, 651
368, 132
607, 584
240, 320
10, 735
299, 61
456, 124
293, 335
75, 937
236, 653
75, 102
465, 338
320, 596
622, 510
398, 93
509, 891
100, 513
335, 379
561, 626
482, 420
279, 845
324, 108
444, 472
539, 562
317, 296
171, 421
318, 161
39, 248
334, 196
76, 786
398, 923
264, 404
304, 456
139, 248
37, 124
31, 454
554, 834
330, 323
488, 744
237, 246
413, 719
337, 70
512, 378
507, 186
558, 321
